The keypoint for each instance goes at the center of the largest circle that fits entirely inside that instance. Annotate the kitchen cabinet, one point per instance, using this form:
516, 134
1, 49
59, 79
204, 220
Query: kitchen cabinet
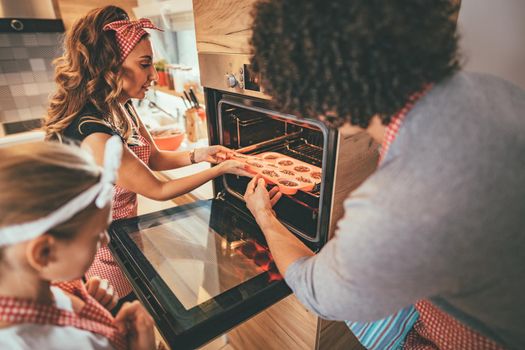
71, 10
223, 26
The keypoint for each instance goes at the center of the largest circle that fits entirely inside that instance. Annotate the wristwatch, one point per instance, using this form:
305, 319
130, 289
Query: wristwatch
192, 156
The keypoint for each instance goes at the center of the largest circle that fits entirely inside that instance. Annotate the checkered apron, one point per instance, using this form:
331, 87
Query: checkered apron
92, 317
434, 329
124, 206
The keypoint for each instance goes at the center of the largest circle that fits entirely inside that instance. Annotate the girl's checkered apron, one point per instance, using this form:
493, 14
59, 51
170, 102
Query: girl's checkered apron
92, 317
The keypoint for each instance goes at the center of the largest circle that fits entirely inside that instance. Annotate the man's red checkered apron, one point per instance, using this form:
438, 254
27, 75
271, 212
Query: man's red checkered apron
124, 206
92, 317
434, 329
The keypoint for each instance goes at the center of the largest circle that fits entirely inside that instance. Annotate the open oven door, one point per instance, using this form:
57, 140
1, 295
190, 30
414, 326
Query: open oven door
199, 269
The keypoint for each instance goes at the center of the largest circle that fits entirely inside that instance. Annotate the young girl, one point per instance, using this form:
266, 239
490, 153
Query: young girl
55, 203
106, 62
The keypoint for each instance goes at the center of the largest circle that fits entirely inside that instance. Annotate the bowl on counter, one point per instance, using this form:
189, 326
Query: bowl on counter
167, 138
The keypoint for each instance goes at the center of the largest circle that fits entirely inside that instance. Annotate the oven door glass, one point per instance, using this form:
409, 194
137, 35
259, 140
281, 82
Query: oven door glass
200, 269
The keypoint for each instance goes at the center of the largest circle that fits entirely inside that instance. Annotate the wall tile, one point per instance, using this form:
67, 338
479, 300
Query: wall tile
9, 66
11, 115
43, 88
29, 39
31, 89
42, 51
23, 65
24, 114
51, 87
6, 54
5, 92
49, 63
21, 102
37, 112
44, 39
20, 52
41, 77
27, 73
37, 64
13, 78
15, 39
44, 99
17, 90
7, 103
27, 77
4, 40
34, 100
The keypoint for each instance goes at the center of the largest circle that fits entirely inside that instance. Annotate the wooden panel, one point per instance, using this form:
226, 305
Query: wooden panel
285, 325
71, 10
357, 157
223, 25
336, 335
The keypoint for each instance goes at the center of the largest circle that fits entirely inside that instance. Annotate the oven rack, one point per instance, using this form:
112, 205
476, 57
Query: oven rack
302, 150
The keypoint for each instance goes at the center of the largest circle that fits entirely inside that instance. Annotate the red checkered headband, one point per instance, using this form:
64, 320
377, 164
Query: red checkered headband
129, 33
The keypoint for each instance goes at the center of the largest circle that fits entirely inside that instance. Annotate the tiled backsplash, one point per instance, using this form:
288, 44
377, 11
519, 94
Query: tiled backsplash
26, 74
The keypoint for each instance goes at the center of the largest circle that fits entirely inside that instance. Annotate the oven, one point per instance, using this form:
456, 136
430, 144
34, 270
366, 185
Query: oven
203, 268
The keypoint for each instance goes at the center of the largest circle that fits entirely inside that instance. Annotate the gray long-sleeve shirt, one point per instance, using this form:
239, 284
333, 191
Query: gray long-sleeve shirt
442, 218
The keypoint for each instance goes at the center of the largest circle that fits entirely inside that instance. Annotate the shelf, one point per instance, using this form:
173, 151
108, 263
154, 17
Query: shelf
164, 89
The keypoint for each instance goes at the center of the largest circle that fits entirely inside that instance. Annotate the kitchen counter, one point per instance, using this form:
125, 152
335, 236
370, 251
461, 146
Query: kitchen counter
22, 137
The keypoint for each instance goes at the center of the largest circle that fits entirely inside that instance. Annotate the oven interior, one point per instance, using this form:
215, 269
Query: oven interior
253, 131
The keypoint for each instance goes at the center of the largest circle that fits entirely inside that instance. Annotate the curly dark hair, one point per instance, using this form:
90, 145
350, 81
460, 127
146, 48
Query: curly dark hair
348, 60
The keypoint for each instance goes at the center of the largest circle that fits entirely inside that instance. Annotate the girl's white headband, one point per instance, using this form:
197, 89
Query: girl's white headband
101, 192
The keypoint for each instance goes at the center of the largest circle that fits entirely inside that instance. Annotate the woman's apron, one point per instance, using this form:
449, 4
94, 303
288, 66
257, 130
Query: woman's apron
124, 206
92, 317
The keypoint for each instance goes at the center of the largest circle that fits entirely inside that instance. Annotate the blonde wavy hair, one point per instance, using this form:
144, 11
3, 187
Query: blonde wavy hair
37, 178
89, 71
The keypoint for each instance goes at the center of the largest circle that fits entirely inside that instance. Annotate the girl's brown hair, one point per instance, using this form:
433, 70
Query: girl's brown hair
89, 71
38, 178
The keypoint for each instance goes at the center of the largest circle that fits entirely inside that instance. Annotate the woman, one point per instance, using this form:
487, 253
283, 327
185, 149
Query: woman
439, 224
107, 61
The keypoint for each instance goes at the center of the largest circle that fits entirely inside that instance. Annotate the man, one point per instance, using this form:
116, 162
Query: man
439, 224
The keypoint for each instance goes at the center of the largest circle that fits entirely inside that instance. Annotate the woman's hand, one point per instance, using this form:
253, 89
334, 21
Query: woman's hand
135, 322
103, 292
213, 154
258, 200
233, 167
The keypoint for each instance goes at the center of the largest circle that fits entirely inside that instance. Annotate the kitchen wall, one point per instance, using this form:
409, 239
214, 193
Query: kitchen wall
493, 37
26, 74
26, 71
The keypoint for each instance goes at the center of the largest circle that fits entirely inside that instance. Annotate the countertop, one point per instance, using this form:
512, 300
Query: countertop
21, 137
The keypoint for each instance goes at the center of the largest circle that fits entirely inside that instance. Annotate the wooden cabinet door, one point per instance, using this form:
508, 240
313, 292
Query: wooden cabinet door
223, 26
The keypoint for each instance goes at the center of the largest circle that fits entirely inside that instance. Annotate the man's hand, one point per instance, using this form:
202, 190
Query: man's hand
259, 201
